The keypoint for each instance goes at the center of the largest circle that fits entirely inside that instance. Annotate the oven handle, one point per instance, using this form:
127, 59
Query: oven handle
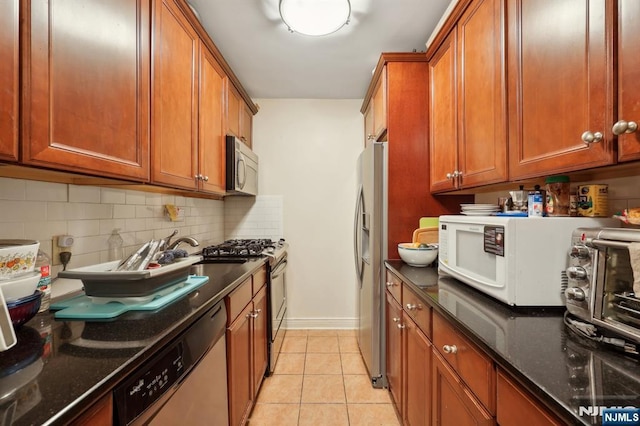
610, 244
279, 269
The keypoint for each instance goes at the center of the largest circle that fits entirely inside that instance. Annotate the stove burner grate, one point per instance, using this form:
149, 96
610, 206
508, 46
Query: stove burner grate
237, 248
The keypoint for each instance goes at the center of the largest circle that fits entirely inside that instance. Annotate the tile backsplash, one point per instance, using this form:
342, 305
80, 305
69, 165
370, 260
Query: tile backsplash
41, 210
249, 217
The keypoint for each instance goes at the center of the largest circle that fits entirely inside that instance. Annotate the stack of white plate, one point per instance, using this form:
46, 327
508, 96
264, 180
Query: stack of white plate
479, 209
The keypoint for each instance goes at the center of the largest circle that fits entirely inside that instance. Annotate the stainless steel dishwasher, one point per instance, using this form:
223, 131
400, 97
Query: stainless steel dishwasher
185, 383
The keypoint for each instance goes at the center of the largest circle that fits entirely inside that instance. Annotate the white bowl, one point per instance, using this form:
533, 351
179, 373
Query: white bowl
17, 257
20, 286
417, 256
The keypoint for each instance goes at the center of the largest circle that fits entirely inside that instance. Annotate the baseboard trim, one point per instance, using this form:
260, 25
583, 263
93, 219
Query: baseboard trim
321, 323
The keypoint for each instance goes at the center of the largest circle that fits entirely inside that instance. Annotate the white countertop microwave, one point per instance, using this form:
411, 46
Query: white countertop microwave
520, 261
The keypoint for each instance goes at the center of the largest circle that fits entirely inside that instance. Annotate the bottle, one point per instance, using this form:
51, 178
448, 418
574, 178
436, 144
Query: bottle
115, 245
558, 196
43, 263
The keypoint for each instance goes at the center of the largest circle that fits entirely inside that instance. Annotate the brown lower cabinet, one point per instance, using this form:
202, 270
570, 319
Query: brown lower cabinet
453, 403
437, 376
246, 345
99, 414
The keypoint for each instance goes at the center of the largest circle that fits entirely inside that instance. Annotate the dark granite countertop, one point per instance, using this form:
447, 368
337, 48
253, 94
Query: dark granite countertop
51, 379
568, 373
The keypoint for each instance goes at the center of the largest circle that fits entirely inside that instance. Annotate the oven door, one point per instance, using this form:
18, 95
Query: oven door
616, 306
278, 296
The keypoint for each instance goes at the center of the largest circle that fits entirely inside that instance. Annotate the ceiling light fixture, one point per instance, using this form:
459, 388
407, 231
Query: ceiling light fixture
315, 17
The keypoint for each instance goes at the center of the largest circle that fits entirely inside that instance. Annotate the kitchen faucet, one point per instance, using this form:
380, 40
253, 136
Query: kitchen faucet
192, 242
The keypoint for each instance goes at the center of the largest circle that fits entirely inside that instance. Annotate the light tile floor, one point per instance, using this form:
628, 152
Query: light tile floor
320, 380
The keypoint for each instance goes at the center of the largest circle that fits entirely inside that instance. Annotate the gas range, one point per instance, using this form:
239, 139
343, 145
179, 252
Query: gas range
242, 250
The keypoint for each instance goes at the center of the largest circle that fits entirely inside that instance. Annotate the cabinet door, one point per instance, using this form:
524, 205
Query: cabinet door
394, 350
260, 358
452, 404
369, 135
233, 110
239, 367
559, 73
175, 98
9, 80
211, 136
379, 100
86, 86
417, 376
629, 76
246, 124
443, 132
482, 129
516, 407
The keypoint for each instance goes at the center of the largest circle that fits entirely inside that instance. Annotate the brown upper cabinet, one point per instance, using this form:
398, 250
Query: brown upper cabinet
239, 116
628, 81
468, 145
85, 86
9, 54
188, 99
560, 85
375, 115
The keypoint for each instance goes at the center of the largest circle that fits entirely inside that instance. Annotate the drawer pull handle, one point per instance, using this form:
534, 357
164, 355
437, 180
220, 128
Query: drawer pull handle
400, 326
450, 349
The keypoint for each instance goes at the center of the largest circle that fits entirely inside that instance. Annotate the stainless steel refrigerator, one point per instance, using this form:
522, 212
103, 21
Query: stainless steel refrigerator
370, 248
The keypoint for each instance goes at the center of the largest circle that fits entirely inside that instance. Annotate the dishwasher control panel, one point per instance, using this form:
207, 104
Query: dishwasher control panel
151, 382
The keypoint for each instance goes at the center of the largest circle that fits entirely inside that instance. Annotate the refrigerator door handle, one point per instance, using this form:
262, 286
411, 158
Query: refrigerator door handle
357, 248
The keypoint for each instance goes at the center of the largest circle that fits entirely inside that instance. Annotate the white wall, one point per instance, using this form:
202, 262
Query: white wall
308, 151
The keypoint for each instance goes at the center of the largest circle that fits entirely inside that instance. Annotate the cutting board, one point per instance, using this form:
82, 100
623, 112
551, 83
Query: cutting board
81, 307
427, 235
426, 222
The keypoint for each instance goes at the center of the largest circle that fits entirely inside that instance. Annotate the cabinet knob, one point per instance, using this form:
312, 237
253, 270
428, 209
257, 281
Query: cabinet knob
205, 178
370, 137
396, 319
198, 177
400, 326
589, 137
449, 176
413, 307
391, 284
456, 174
624, 127
450, 349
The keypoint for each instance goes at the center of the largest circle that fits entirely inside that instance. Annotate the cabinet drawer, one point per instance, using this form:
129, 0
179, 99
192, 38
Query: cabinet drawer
472, 365
259, 279
238, 299
394, 285
516, 407
417, 310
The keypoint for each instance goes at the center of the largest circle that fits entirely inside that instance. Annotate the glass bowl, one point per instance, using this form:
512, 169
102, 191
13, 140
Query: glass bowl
23, 309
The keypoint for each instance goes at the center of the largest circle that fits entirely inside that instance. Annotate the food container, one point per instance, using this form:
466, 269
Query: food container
17, 257
415, 254
558, 196
593, 200
535, 204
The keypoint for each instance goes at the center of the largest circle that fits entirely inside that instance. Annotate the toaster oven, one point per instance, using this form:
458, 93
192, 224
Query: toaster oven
604, 279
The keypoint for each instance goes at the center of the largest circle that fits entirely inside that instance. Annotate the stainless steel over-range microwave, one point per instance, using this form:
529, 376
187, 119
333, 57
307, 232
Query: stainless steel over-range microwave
242, 168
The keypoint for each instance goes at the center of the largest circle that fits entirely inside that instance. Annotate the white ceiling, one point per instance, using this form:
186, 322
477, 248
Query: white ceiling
274, 63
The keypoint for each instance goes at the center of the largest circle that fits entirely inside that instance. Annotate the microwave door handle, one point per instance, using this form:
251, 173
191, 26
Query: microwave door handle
610, 244
241, 171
